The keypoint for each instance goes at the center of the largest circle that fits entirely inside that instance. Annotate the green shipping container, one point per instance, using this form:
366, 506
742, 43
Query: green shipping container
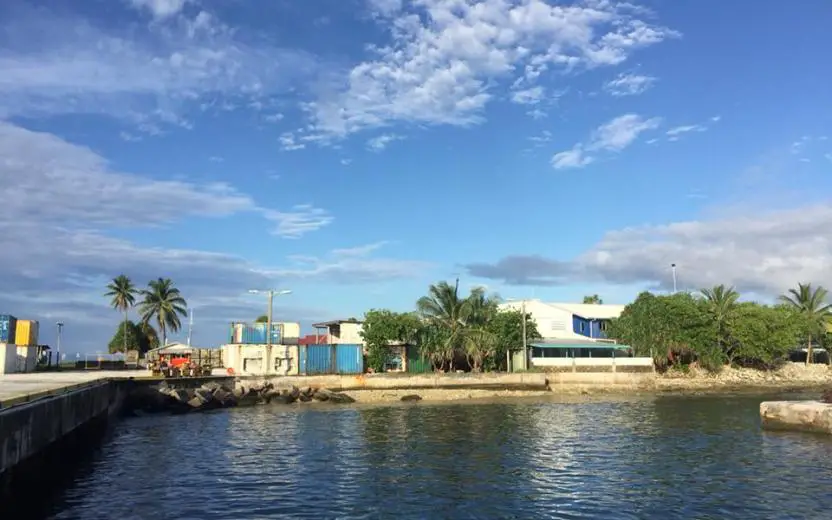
415, 363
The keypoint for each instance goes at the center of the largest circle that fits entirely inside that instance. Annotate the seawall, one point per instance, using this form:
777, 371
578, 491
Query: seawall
533, 381
39, 438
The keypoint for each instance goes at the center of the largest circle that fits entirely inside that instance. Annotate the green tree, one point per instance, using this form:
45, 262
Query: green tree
721, 304
812, 304
134, 336
443, 308
762, 335
594, 299
149, 336
262, 319
381, 328
122, 294
164, 303
507, 327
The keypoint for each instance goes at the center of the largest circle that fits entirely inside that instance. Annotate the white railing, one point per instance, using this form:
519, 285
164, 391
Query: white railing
592, 362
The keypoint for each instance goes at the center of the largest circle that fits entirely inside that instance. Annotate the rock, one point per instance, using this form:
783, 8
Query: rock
284, 398
333, 397
411, 397
210, 386
304, 398
826, 396
240, 391
268, 395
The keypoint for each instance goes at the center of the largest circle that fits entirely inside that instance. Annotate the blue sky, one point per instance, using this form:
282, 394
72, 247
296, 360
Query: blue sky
355, 151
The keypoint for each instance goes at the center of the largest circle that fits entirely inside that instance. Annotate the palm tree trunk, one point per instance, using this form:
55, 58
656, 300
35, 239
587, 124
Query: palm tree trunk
809, 351
124, 333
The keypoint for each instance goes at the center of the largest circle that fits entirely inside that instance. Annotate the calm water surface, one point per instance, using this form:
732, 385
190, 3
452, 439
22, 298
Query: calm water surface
642, 458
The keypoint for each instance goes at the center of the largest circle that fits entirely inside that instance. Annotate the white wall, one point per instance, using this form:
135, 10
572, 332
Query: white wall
552, 322
593, 362
349, 333
8, 358
254, 359
26, 358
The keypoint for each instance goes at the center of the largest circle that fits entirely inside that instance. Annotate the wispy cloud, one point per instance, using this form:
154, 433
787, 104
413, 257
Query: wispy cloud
674, 133
288, 143
447, 61
628, 84
381, 142
302, 219
611, 137
529, 96
160, 8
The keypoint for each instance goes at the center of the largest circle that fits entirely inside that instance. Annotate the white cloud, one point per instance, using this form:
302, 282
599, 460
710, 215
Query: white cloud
627, 84
385, 8
302, 219
544, 137
529, 96
64, 204
765, 254
613, 136
346, 162
216, 159
574, 158
716, 119
160, 8
674, 133
351, 265
800, 145
288, 143
381, 142
448, 57
146, 75
274, 118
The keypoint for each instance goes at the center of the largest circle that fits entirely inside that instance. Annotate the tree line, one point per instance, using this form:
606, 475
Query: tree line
449, 330
160, 303
713, 328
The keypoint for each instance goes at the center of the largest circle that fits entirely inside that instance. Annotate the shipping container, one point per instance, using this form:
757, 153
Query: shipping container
27, 358
416, 364
26, 332
8, 326
290, 332
349, 359
253, 334
316, 359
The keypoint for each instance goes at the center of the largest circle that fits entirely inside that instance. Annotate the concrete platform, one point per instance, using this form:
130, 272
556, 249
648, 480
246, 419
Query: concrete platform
21, 388
810, 416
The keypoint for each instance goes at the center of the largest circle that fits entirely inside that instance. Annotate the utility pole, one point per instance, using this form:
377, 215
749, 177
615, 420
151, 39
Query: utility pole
271, 293
525, 347
190, 327
673, 268
60, 325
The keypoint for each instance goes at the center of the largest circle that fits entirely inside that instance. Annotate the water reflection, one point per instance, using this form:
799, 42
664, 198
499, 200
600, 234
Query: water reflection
663, 458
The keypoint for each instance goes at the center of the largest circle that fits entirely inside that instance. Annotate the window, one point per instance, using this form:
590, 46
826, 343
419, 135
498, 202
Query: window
583, 327
603, 326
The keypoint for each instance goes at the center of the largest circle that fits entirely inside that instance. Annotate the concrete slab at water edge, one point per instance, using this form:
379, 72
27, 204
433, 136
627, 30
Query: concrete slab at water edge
15, 388
810, 416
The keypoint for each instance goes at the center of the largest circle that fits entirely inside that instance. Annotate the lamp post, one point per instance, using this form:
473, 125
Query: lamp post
271, 293
673, 269
60, 326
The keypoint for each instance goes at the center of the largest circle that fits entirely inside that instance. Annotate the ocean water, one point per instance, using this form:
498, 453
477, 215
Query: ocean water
691, 457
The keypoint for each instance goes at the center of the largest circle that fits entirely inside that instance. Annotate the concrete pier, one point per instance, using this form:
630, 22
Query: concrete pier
810, 416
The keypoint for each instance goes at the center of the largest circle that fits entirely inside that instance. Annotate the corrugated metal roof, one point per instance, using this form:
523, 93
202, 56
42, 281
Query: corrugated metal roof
579, 344
592, 311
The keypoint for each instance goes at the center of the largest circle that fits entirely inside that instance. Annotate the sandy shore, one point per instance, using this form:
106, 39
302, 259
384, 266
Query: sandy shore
790, 376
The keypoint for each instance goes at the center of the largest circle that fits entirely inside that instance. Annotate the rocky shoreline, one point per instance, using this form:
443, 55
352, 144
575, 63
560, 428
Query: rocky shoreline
211, 396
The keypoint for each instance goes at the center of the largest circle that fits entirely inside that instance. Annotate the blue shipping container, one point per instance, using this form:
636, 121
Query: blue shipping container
316, 359
349, 359
8, 324
256, 334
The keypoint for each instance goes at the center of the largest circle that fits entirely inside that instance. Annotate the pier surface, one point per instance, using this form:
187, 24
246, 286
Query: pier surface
22, 388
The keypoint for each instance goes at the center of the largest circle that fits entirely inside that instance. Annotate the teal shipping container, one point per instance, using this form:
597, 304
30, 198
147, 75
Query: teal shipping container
316, 359
349, 359
253, 334
8, 325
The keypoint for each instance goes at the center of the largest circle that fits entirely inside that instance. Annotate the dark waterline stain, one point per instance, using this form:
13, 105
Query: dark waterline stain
644, 457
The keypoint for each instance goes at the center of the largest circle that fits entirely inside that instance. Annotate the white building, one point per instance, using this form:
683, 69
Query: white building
576, 321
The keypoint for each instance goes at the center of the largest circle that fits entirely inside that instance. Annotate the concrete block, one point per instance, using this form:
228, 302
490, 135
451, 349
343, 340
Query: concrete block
812, 416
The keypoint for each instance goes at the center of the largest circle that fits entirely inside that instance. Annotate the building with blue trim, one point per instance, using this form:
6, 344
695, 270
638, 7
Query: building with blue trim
569, 321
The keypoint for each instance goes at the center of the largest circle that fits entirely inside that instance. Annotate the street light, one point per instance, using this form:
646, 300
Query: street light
673, 268
60, 326
525, 347
271, 293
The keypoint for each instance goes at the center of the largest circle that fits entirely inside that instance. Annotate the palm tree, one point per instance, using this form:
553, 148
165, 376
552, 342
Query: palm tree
812, 304
444, 308
149, 335
594, 299
722, 301
122, 294
164, 302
